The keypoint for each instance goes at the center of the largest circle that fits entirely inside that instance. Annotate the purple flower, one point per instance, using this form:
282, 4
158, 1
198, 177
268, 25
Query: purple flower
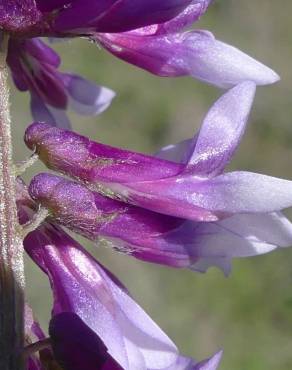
158, 238
34, 68
194, 189
95, 323
31, 18
107, 327
165, 50
147, 34
70, 338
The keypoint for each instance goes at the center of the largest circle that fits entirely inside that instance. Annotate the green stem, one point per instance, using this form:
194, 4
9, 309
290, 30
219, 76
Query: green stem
11, 248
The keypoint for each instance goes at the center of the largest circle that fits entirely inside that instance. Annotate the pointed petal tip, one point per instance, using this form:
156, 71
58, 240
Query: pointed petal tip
218, 357
210, 364
269, 77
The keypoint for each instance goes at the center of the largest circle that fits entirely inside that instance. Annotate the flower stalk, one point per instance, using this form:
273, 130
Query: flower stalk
11, 249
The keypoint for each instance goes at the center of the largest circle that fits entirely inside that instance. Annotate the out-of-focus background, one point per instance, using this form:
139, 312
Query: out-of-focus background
249, 314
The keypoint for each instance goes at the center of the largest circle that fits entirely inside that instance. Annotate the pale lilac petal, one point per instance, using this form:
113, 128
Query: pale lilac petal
194, 53
222, 131
211, 363
240, 236
208, 200
186, 363
241, 192
224, 65
211, 149
85, 97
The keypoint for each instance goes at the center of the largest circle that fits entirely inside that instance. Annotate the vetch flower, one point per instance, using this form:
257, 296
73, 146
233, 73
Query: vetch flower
103, 318
158, 238
145, 33
165, 50
148, 34
195, 189
78, 347
34, 67
61, 18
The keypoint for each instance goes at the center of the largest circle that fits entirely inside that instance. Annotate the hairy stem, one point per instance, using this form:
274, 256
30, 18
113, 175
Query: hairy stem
11, 249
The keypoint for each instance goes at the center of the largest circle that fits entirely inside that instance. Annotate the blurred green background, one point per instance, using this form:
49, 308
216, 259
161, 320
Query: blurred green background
249, 314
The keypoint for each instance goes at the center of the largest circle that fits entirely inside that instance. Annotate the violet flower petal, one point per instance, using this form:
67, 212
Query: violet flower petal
116, 16
188, 16
175, 189
194, 53
209, 200
45, 113
36, 64
157, 238
28, 18
240, 236
81, 286
240, 192
85, 97
40, 51
210, 364
34, 68
208, 153
221, 131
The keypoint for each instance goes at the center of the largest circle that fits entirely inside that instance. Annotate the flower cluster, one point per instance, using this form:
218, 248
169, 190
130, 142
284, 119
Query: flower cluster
147, 34
177, 208
182, 212
95, 323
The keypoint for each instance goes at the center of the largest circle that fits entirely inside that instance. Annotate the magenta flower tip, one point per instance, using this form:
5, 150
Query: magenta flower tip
42, 185
34, 133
